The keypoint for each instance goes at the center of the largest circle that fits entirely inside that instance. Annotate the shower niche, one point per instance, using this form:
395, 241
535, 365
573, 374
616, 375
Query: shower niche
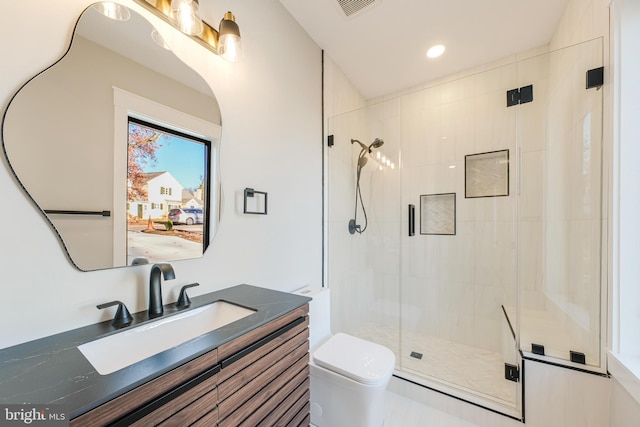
507, 263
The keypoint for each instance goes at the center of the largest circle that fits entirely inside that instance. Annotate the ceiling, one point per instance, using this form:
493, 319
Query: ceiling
382, 47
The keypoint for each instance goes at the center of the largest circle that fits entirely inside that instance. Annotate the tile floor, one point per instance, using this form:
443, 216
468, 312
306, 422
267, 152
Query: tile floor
403, 412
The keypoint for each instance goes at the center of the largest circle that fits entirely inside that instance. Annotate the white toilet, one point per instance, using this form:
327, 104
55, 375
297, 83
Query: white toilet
349, 375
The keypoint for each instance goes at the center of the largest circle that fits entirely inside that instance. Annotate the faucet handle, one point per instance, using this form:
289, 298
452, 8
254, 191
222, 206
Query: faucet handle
122, 317
183, 298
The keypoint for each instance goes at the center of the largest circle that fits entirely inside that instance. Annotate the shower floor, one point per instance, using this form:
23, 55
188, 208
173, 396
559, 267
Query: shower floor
472, 369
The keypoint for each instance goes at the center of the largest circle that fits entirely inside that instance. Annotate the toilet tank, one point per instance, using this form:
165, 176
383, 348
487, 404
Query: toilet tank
319, 314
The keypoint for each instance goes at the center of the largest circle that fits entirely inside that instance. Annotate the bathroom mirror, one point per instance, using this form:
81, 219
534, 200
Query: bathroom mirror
101, 140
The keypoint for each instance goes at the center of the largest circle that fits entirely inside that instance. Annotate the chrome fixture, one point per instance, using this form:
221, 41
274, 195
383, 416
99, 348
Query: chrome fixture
155, 287
184, 15
122, 316
362, 161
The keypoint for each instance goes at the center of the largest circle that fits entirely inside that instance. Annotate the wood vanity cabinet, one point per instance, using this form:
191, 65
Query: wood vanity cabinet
258, 379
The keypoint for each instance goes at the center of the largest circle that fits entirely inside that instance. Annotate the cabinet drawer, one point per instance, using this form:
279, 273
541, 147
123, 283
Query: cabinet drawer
230, 369
191, 404
233, 412
121, 405
246, 389
288, 408
246, 369
209, 420
229, 349
194, 411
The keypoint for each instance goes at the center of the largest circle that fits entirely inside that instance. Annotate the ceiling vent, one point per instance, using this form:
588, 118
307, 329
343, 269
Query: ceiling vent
352, 7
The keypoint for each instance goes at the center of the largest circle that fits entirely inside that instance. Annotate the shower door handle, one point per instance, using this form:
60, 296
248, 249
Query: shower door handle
412, 220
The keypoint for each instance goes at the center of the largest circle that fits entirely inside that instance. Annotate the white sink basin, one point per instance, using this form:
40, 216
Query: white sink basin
129, 346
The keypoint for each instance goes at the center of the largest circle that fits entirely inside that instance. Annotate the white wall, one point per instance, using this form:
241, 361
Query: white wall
271, 117
625, 410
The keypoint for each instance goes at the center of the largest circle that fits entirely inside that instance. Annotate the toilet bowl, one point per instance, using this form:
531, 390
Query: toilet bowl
349, 375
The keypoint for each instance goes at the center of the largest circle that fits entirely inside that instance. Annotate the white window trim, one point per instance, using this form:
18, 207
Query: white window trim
624, 345
127, 104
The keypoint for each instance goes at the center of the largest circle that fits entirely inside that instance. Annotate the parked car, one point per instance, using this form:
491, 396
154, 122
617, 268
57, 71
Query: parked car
187, 216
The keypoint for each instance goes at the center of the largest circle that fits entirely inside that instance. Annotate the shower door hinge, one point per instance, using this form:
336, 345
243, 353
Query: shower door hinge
511, 372
519, 96
595, 78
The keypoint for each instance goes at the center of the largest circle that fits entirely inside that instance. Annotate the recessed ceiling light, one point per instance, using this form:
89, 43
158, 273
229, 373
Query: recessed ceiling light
436, 51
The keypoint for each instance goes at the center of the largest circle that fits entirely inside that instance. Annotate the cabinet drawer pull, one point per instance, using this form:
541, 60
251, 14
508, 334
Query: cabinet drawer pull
157, 403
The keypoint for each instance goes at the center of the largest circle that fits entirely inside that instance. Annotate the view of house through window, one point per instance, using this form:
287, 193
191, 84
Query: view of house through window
167, 194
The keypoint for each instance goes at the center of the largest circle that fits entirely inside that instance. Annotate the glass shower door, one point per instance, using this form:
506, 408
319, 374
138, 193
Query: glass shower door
459, 269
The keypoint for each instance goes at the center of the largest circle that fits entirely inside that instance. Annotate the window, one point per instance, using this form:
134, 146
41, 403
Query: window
625, 289
159, 155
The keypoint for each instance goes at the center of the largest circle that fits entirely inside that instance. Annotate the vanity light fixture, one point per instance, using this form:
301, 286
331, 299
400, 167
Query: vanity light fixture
113, 10
184, 15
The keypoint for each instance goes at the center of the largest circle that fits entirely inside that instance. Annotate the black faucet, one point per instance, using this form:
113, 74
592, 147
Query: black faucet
155, 288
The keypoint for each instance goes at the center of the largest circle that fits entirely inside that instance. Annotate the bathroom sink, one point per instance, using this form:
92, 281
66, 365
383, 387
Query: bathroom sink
129, 346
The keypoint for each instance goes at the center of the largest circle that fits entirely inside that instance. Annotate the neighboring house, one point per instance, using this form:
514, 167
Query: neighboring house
191, 201
164, 193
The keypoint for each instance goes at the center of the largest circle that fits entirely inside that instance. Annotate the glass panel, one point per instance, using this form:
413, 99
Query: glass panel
459, 139
363, 267
435, 298
561, 205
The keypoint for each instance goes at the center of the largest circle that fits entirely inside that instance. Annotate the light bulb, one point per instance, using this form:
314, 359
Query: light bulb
230, 47
229, 42
113, 10
185, 16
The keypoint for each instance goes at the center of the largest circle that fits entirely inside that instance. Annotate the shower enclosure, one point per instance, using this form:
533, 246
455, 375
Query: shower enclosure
485, 225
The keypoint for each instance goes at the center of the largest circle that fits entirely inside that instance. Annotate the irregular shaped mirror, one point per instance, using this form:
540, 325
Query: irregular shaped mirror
117, 143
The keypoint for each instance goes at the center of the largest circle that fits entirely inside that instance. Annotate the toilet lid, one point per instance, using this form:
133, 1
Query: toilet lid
358, 359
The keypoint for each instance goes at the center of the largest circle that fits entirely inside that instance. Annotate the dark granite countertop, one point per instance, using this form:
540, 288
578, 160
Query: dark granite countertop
52, 370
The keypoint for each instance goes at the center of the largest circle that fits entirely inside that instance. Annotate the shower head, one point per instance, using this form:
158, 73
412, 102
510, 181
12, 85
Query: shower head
364, 147
362, 161
377, 143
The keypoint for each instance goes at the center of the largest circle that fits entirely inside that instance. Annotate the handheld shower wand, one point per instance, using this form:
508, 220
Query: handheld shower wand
362, 161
